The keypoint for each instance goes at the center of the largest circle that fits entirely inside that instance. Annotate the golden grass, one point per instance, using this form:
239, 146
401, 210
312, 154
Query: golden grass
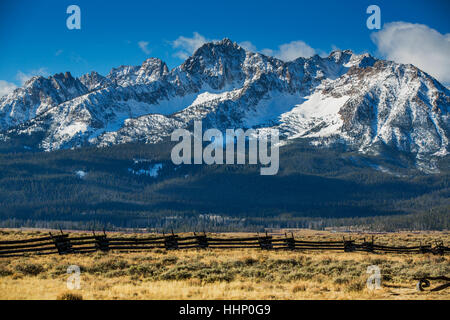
225, 274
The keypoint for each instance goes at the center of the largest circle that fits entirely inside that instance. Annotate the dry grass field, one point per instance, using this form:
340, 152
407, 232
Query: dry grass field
226, 274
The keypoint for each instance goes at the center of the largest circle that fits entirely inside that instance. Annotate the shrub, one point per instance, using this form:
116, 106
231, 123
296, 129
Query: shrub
249, 261
341, 280
174, 274
299, 288
169, 260
355, 286
29, 269
107, 265
4, 271
145, 269
70, 296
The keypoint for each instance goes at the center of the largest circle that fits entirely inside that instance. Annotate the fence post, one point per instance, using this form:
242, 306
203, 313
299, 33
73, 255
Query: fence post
265, 242
102, 242
290, 242
62, 243
438, 248
349, 245
202, 241
171, 242
368, 246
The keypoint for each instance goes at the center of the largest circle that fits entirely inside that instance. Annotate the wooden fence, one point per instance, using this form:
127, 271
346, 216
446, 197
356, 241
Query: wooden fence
66, 244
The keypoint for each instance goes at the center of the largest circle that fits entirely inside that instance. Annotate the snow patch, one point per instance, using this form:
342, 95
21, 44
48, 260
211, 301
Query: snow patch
152, 171
80, 174
316, 117
271, 108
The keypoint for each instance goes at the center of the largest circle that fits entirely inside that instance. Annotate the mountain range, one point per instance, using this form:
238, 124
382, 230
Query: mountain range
355, 101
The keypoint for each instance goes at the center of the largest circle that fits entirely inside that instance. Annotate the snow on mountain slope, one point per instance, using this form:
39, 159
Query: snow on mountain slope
353, 99
37, 96
316, 117
394, 105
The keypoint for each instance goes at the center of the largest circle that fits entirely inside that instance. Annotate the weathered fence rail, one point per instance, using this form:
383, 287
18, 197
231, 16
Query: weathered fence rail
66, 244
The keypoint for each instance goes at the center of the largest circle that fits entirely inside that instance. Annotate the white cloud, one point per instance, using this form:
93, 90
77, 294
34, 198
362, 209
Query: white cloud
6, 87
144, 46
291, 51
417, 44
181, 54
286, 52
59, 52
187, 45
24, 77
268, 52
247, 45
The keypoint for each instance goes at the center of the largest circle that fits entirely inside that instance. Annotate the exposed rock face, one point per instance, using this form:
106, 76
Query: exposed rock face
94, 81
354, 99
37, 96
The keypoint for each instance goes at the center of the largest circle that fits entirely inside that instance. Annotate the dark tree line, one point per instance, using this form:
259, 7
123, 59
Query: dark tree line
315, 188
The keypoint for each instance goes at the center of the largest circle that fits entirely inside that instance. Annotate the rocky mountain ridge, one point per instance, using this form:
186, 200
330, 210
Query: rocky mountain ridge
358, 101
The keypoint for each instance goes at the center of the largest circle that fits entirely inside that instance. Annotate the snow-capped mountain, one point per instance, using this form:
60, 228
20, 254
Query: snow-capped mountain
356, 100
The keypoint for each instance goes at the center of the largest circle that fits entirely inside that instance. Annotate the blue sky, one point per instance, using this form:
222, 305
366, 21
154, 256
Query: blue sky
34, 38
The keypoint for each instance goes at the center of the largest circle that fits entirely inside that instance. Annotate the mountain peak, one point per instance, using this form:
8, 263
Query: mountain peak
214, 57
66, 76
226, 42
350, 59
153, 63
151, 70
224, 45
33, 80
339, 55
93, 80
